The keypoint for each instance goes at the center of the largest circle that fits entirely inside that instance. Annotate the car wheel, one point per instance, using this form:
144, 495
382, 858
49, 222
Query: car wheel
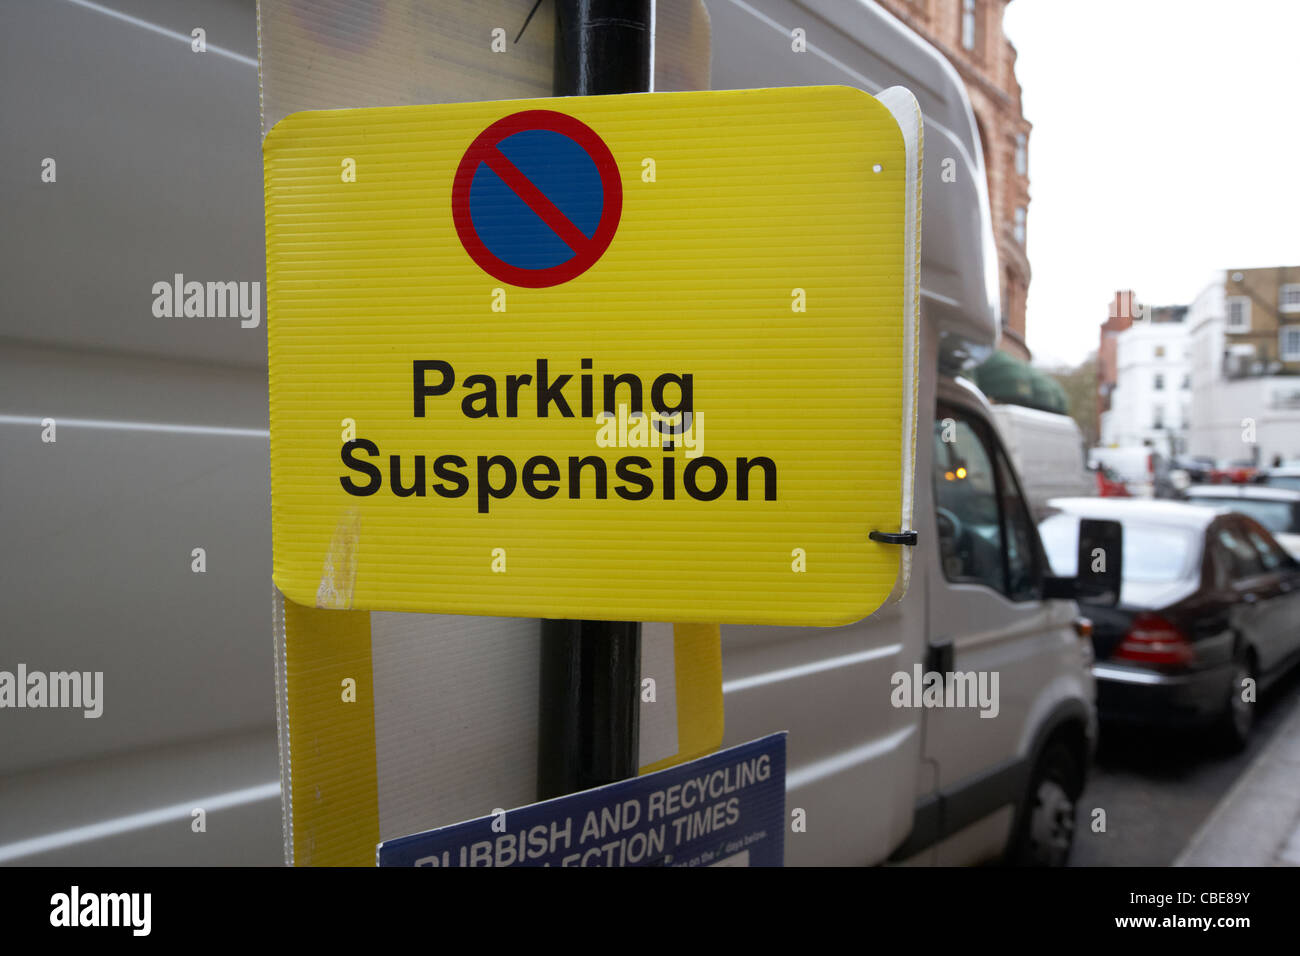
1046, 828
1238, 717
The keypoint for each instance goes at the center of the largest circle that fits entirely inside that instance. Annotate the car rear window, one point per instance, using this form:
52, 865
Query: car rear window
1282, 481
1152, 553
1276, 516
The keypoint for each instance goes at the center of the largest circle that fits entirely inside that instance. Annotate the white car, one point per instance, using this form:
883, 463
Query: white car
1277, 509
1285, 475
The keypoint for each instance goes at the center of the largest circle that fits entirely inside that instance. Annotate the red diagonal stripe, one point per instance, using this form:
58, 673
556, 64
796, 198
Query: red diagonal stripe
536, 200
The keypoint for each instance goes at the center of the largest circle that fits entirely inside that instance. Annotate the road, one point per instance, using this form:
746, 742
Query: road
1157, 789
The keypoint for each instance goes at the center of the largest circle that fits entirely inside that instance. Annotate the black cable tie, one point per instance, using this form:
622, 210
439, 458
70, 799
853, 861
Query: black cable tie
893, 537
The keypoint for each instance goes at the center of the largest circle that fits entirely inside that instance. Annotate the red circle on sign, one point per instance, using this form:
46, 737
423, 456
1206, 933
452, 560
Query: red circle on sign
586, 250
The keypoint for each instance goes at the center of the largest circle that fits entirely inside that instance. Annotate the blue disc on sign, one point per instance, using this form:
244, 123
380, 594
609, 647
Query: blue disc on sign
512, 230
537, 198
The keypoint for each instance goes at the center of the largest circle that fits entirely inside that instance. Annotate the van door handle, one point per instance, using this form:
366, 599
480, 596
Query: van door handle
939, 657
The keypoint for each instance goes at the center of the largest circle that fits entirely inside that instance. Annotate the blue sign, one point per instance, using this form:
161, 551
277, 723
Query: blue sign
727, 809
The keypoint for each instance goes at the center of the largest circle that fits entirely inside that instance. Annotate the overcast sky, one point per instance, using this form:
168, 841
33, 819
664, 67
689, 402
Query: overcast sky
1166, 146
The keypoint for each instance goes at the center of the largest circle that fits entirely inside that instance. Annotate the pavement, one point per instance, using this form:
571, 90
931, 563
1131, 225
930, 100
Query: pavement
1257, 823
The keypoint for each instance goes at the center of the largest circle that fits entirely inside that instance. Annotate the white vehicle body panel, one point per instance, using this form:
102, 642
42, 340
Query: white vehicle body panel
165, 450
1132, 464
1047, 450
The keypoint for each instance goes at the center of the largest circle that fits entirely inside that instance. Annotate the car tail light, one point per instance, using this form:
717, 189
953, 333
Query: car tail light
1152, 639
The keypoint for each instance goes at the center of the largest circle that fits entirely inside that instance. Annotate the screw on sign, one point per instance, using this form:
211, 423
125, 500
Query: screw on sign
537, 199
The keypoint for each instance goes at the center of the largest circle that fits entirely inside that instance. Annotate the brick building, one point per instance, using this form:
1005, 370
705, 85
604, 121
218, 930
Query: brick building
969, 34
1262, 321
1120, 320
1245, 334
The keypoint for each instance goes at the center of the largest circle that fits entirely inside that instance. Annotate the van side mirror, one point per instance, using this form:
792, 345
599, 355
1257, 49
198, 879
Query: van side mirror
1101, 561
1099, 565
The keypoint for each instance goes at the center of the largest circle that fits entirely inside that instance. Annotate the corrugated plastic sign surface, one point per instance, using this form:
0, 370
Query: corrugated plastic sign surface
629, 357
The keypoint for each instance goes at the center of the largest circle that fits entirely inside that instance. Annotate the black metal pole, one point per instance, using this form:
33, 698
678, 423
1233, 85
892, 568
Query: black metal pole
589, 728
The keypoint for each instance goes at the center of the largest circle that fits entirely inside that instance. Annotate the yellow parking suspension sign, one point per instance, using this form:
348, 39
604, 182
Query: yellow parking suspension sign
642, 357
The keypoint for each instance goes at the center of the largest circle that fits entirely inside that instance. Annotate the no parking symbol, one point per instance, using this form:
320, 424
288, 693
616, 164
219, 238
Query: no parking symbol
537, 199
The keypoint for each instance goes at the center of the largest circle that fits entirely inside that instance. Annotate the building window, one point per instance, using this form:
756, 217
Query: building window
1160, 351
1158, 417
968, 24
1019, 231
1288, 297
1238, 308
1022, 157
1288, 343
1160, 382
1187, 381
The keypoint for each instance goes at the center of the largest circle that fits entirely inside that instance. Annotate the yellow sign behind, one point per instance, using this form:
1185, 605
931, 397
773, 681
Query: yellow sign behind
645, 357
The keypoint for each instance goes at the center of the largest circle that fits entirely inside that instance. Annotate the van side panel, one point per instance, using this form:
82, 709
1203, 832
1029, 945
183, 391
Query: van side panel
852, 758
855, 760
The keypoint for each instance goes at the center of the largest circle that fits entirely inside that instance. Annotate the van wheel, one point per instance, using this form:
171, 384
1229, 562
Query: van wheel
1046, 828
1238, 717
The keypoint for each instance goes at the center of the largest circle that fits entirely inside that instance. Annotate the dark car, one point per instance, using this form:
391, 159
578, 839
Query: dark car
1209, 600
1197, 467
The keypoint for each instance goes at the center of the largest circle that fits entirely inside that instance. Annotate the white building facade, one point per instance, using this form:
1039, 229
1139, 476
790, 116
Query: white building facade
1152, 400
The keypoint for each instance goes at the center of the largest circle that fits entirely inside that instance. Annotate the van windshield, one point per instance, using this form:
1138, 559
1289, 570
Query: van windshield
1153, 554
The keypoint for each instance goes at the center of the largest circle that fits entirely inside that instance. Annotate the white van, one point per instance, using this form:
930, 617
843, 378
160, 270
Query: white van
1047, 450
162, 456
937, 785
1134, 464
